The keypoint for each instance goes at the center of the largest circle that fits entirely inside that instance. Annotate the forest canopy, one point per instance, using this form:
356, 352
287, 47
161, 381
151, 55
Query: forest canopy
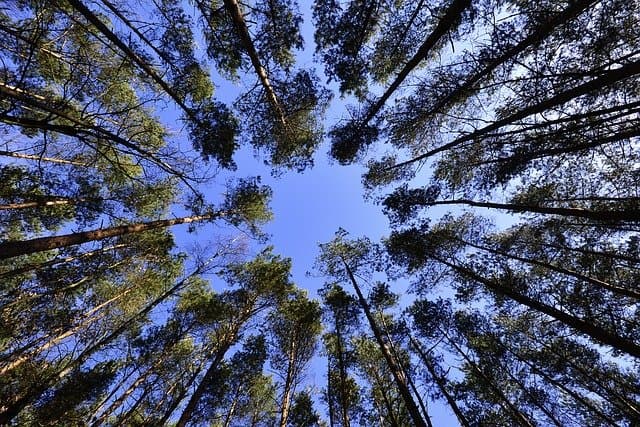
500, 138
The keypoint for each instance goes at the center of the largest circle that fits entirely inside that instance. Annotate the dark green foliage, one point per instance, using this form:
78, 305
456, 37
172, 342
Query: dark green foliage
302, 413
214, 134
350, 140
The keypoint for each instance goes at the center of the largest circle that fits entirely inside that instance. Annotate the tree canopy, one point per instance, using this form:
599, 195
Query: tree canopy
139, 284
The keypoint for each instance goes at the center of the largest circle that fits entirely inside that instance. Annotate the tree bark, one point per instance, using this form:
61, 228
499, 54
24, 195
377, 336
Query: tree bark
597, 333
398, 375
233, 9
25, 247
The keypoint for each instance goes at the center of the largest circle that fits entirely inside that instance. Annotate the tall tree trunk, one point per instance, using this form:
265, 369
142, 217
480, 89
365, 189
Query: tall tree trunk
211, 372
597, 333
607, 79
517, 415
385, 398
45, 202
25, 247
12, 409
141, 63
632, 215
451, 18
41, 158
233, 9
330, 393
398, 374
440, 383
533, 39
615, 289
288, 384
55, 261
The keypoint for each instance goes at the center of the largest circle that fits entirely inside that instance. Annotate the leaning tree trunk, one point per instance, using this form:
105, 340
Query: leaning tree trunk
12, 249
398, 374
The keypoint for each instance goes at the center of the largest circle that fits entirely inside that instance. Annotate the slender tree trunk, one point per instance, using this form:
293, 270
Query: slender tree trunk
563, 388
632, 215
44, 202
233, 9
597, 333
423, 407
398, 375
615, 289
178, 399
342, 371
518, 416
229, 416
385, 398
288, 384
41, 158
39, 266
25, 247
122, 420
141, 63
537, 36
211, 372
112, 392
609, 78
78, 127
21, 401
440, 383
451, 18
123, 397
330, 394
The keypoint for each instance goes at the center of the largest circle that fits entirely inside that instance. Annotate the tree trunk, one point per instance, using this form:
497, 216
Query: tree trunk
440, 383
39, 266
398, 375
14, 408
288, 385
45, 202
537, 36
597, 333
188, 411
25, 247
518, 416
615, 289
609, 78
142, 64
41, 158
631, 215
450, 19
233, 9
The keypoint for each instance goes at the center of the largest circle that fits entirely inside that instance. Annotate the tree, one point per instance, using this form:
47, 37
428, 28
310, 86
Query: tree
341, 315
295, 327
335, 259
